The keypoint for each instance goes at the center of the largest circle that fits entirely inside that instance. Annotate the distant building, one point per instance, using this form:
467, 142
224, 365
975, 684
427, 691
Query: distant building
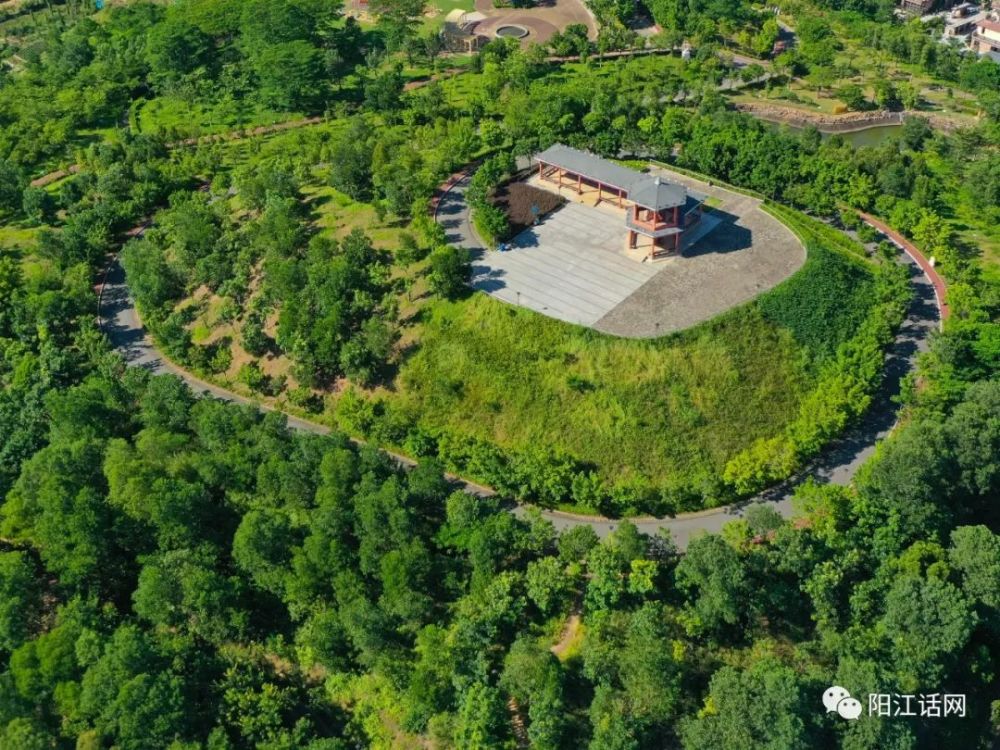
960, 22
655, 208
986, 38
459, 31
917, 7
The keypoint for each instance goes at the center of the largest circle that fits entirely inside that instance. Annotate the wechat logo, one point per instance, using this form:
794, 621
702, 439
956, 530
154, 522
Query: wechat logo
838, 699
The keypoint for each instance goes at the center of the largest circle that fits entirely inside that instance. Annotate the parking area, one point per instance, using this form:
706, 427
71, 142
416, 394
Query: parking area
570, 267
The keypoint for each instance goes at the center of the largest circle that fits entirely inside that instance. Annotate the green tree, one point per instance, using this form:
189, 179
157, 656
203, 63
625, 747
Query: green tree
26, 734
20, 599
399, 16
449, 271
928, 622
975, 552
853, 97
383, 91
766, 706
129, 696
182, 588
548, 584
482, 719
37, 204
11, 187
175, 48
291, 75
713, 577
262, 547
532, 676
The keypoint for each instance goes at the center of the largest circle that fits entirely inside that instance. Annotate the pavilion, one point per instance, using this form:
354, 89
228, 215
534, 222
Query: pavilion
656, 208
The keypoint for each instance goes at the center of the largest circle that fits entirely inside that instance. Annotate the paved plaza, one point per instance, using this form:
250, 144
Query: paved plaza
573, 266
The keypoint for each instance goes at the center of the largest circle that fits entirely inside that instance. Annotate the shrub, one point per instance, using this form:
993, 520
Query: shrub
304, 398
222, 358
824, 303
252, 337
449, 271
491, 223
762, 464
252, 377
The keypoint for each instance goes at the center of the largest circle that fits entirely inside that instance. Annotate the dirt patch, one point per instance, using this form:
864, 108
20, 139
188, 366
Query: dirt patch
525, 203
569, 638
839, 123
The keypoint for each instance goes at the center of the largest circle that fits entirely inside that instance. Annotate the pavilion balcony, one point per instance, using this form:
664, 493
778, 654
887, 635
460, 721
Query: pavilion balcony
654, 229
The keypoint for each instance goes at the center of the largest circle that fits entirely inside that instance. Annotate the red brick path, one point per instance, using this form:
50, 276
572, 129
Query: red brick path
940, 288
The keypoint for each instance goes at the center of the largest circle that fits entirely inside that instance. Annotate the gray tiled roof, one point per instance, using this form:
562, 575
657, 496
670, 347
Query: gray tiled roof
589, 165
657, 193
648, 192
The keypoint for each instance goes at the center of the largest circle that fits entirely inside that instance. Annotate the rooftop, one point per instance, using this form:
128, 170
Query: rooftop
649, 192
590, 165
657, 193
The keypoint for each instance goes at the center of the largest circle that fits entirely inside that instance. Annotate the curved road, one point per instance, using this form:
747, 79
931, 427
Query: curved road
839, 461
838, 464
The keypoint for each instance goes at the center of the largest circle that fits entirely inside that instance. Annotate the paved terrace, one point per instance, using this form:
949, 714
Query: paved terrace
573, 266
570, 267
747, 253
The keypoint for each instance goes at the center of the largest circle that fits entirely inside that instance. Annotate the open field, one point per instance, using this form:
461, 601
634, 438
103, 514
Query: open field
517, 378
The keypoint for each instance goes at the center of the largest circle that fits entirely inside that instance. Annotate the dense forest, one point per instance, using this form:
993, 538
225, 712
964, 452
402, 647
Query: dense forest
183, 573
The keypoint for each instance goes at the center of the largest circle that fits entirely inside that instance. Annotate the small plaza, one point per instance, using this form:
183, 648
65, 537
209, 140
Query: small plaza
584, 264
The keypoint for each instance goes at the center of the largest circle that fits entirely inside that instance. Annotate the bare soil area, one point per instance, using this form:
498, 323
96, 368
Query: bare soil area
517, 199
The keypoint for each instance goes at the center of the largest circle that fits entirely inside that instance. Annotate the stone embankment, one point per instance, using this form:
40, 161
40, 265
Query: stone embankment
843, 123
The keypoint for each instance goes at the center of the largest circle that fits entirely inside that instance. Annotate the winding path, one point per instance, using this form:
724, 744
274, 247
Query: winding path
838, 464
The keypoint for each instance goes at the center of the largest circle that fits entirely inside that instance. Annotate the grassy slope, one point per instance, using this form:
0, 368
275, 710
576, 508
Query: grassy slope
659, 408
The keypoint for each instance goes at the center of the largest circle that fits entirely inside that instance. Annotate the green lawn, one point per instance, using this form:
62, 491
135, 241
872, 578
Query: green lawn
339, 214
667, 410
441, 8
18, 235
657, 408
